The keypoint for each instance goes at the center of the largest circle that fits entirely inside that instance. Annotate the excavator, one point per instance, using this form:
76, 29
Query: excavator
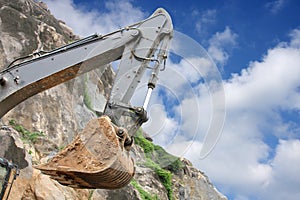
99, 156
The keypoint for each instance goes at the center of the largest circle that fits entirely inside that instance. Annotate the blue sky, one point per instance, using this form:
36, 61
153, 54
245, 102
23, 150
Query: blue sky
255, 47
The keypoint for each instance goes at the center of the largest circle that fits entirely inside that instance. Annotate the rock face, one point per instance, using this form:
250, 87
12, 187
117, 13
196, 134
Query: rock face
41, 126
26, 27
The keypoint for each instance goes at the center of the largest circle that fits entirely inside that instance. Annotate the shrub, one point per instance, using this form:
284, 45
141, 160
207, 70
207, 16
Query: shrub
166, 179
164, 176
158, 154
26, 135
160, 161
166, 160
146, 145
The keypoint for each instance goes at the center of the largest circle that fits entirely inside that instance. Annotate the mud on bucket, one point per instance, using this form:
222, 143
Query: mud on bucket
97, 158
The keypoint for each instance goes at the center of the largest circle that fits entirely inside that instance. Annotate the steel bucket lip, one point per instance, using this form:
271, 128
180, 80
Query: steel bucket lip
100, 180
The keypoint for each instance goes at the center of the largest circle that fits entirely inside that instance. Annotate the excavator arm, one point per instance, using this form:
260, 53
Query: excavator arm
152, 47
98, 157
135, 45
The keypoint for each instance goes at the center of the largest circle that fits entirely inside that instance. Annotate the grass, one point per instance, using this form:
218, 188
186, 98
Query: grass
164, 175
166, 160
158, 154
91, 192
144, 195
160, 161
146, 145
27, 136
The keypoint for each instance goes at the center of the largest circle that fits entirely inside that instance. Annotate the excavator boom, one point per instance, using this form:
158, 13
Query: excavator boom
99, 156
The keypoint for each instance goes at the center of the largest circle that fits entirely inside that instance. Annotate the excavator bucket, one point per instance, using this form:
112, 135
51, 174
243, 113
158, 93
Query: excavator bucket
97, 158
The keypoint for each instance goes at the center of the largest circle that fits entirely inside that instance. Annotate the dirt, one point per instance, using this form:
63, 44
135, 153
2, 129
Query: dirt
94, 155
94, 148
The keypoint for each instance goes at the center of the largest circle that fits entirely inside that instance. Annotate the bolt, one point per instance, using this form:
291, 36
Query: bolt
139, 109
128, 143
135, 33
3, 81
17, 80
120, 133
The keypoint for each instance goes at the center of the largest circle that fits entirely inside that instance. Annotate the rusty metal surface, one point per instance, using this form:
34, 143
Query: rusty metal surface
95, 159
24, 93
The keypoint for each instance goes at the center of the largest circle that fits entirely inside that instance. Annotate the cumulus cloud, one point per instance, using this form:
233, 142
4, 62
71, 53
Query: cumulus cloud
220, 45
244, 161
190, 90
204, 19
272, 82
161, 128
286, 178
174, 103
275, 6
295, 38
86, 22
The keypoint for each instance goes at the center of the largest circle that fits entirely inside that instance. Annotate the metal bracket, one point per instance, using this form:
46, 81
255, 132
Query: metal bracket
7, 178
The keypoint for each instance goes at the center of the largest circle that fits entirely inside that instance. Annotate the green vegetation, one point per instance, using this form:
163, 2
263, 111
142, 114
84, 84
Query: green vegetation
165, 176
87, 100
146, 145
27, 136
144, 195
86, 97
91, 192
160, 161
61, 147
158, 154
166, 160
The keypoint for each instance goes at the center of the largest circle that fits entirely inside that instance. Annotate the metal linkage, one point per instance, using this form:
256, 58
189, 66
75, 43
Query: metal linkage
8, 173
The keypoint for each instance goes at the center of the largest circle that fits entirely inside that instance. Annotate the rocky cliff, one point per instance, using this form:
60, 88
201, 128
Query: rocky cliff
41, 126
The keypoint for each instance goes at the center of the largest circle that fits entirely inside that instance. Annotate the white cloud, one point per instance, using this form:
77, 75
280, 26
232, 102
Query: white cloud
243, 162
191, 98
220, 44
204, 19
271, 83
295, 38
181, 98
87, 22
161, 128
286, 177
209, 16
275, 6
223, 38
287, 153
